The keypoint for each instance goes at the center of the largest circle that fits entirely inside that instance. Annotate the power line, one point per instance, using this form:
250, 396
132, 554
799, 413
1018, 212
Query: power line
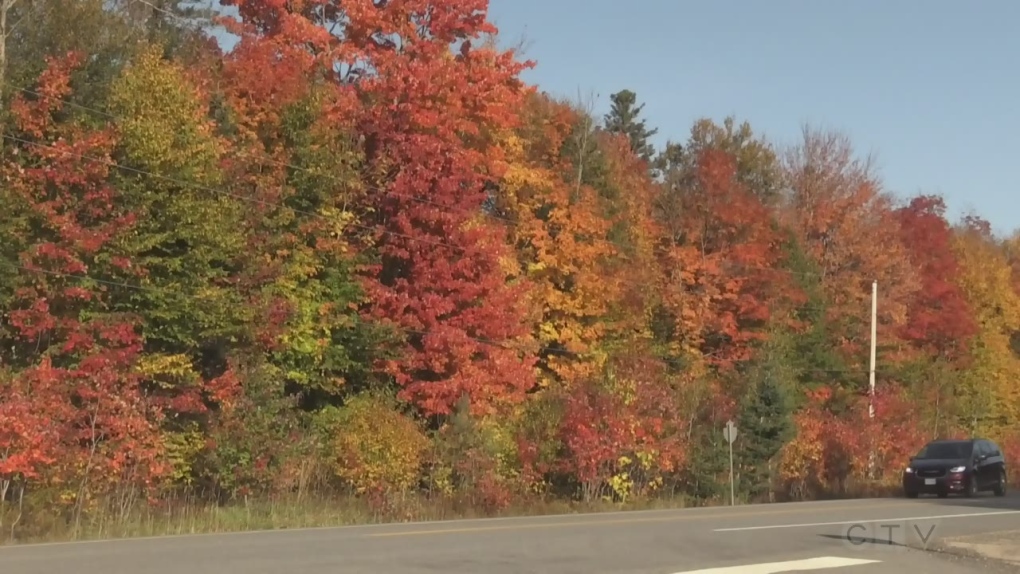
505, 220
195, 185
221, 192
407, 330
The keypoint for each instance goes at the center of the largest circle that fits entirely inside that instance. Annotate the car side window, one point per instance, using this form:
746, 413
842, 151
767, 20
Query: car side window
993, 449
980, 449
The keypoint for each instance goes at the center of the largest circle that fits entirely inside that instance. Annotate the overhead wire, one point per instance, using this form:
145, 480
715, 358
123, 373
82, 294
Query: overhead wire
265, 203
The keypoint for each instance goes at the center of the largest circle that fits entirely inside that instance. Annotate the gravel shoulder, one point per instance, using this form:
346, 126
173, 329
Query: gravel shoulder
998, 546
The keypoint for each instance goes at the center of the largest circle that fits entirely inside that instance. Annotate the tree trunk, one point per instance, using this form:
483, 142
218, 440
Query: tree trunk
5, 6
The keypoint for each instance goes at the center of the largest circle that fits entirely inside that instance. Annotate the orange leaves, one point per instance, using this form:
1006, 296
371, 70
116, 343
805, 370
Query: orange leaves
830, 449
560, 235
717, 263
27, 436
837, 210
54, 84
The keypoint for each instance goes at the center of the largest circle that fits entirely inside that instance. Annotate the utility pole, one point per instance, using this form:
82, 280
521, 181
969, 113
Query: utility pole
871, 373
874, 334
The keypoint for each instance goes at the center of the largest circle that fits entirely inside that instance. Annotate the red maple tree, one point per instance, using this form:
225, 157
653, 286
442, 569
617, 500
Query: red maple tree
83, 352
939, 318
427, 117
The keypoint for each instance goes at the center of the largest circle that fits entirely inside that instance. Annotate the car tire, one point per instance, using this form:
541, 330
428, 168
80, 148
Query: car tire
972, 486
1000, 486
911, 494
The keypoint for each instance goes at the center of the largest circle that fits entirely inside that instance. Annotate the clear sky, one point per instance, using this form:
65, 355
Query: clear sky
931, 87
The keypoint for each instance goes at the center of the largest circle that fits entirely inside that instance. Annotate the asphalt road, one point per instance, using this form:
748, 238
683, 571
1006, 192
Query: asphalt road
837, 537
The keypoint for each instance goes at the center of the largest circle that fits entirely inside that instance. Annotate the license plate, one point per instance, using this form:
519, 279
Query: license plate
929, 481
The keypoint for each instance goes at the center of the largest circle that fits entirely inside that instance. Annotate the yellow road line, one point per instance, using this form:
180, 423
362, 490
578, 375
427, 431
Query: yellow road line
680, 517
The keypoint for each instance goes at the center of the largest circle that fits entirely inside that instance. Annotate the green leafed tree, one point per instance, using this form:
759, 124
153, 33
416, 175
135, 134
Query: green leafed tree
110, 31
188, 235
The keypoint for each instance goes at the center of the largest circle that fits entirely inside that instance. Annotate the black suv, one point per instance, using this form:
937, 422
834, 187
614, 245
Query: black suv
956, 466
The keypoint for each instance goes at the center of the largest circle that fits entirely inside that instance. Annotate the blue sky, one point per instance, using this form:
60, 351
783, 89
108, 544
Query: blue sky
932, 87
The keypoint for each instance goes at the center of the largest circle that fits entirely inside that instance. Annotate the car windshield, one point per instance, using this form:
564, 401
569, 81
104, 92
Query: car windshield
945, 450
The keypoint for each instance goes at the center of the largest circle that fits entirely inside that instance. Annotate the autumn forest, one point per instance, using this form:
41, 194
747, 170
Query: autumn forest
355, 263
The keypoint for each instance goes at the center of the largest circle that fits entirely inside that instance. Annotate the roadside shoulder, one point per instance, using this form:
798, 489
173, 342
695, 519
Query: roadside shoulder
1003, 546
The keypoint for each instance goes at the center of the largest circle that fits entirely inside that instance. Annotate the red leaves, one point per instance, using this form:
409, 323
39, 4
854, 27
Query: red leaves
441, 273
724, 260
422, 113
81, 405
32, 117
831, 448
27, 435
939, 318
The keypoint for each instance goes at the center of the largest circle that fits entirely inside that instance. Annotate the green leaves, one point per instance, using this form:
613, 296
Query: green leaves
188, 236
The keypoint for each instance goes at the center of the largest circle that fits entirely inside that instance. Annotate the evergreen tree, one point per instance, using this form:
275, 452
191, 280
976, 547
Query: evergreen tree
623, 117
765, 425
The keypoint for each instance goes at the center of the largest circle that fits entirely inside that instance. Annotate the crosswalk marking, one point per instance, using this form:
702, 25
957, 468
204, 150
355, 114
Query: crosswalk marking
789, 566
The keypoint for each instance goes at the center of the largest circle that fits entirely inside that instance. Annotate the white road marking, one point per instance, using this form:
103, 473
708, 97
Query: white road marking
843, 522
790, 566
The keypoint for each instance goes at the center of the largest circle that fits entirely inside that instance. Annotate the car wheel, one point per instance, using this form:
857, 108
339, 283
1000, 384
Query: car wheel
911, 494
972, 486
1000, 486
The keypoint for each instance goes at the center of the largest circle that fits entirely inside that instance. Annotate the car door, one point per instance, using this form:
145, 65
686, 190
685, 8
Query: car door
980, 464
996, 463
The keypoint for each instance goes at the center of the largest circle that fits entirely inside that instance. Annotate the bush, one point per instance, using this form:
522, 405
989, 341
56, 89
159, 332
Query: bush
371, 446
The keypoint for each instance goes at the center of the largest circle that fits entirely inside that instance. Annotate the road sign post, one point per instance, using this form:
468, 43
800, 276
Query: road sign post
730, 434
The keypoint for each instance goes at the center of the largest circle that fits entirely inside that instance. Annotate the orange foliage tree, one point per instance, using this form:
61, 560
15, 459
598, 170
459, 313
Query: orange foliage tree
837, 211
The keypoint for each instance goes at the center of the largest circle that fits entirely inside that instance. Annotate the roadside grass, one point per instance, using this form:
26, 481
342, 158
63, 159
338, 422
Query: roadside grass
187, 515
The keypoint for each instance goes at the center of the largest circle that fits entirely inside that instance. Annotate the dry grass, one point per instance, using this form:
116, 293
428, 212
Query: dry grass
184, 515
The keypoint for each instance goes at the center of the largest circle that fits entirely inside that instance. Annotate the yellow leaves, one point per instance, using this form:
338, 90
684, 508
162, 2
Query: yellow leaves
986, 278
182, 448
339, 221
161, 117
645, 459
621, 387
803, 457
622, 485
517, 178
374, 448
500, 440
513, 146
168, 370
548, 332
990, 396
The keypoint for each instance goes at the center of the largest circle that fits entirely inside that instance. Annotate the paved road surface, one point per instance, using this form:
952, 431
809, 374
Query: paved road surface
838, 537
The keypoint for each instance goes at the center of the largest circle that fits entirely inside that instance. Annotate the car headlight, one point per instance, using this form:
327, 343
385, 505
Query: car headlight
958, 469
909, 470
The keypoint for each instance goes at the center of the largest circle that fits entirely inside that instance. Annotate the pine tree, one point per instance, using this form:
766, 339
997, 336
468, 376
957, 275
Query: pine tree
765, 420
623, 117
